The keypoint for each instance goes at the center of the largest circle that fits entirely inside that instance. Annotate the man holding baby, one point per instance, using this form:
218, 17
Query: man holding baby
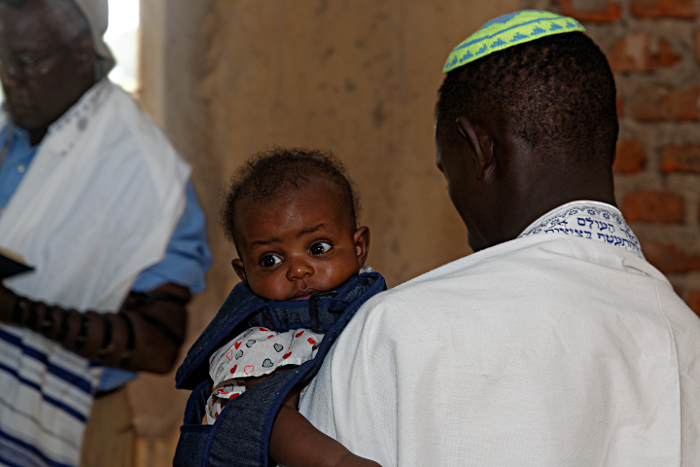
556, 343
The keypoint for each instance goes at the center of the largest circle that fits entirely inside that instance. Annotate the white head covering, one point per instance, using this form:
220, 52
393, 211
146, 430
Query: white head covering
97, 14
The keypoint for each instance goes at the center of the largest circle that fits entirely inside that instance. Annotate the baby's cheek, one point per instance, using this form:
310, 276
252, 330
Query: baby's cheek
338, 275
264, 287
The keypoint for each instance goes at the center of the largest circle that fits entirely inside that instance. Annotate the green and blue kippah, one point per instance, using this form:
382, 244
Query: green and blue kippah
507, 31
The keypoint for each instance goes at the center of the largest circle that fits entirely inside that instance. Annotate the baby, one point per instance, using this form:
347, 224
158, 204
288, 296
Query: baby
291, 214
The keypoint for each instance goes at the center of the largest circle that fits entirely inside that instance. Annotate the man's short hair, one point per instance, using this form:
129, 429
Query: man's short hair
270, 173
556, 93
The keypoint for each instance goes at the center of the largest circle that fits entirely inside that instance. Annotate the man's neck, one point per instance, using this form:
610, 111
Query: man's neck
524, 210
36, 136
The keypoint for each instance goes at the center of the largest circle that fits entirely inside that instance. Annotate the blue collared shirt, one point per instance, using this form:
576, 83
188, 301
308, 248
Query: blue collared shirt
187, 256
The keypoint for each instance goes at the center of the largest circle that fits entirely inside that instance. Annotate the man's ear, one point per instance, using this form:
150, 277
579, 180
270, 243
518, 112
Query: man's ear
361, 239
240, 271
481, 144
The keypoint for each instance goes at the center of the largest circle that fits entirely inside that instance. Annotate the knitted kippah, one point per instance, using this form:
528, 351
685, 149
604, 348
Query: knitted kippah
507, 31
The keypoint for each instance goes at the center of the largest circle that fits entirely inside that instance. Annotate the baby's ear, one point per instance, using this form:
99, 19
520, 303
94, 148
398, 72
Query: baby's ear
361, 238
240, 270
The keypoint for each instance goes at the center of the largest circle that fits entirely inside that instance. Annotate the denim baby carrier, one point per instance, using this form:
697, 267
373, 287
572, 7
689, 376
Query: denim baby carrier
240, 435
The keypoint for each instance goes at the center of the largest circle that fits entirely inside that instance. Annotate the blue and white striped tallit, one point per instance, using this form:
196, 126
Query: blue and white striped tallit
96, 207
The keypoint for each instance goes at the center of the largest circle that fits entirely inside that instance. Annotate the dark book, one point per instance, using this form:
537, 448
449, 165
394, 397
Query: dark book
12, 264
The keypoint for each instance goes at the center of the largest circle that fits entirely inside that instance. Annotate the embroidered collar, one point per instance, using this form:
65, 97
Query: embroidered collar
588, 219
69, 125
64, 132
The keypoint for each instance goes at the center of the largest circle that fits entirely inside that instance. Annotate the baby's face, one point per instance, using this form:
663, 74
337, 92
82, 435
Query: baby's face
298, 243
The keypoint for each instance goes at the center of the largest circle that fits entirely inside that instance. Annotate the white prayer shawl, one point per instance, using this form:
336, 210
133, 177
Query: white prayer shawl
549, 350
97, 206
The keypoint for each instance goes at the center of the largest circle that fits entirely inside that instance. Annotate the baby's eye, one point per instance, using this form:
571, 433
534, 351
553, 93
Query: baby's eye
320, 248
270, 260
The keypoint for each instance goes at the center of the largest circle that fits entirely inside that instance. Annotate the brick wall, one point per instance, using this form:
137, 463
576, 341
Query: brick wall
654, 50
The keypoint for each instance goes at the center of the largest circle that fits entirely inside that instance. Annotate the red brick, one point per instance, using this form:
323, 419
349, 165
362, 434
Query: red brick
629, 157
663, 8
654, 103
609, 13
620, 105
693, 301
666, 57
681, 158
682, 104
646, 103
654, 207
668, 258
631, 53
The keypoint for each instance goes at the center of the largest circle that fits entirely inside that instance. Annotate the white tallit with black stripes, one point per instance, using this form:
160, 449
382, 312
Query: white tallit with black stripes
97, 206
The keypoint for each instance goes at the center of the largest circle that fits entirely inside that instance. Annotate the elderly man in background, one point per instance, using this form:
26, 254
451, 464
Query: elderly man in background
95, 198
556, 343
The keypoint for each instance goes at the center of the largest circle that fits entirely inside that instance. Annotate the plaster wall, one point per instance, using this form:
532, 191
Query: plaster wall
356, 77
228, 78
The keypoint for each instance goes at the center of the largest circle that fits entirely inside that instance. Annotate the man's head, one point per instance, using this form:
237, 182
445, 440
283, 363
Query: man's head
524, 129
47, 60
292, 214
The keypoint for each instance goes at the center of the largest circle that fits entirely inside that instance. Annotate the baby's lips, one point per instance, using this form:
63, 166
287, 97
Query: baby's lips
304, 294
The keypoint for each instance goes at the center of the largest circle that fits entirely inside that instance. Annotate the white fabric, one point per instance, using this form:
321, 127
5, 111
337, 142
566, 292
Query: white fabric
255, 352
97, 14
97, 206
548, 350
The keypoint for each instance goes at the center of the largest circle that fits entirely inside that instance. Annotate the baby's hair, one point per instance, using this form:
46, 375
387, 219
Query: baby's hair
269, 173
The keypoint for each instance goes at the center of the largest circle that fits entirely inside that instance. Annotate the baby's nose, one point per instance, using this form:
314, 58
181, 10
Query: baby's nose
298, 269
